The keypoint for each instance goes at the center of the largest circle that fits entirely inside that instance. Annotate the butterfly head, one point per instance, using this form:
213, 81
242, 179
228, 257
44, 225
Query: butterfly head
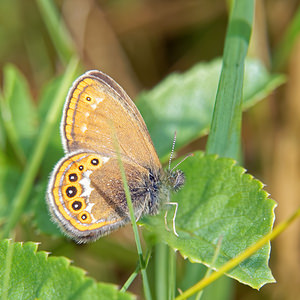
175, 179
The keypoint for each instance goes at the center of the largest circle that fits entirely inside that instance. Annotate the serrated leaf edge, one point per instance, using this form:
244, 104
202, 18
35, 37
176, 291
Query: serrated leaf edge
243, 171
48, 258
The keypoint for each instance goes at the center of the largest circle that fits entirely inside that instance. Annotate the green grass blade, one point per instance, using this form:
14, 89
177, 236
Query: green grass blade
224, 138
172, 273
285, 47
161, 271
57, 30
146, 286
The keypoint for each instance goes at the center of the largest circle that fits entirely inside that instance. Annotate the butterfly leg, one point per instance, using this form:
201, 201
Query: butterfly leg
173, 219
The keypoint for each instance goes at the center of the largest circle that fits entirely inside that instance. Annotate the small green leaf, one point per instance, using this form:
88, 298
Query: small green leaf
42, 219
184, 102
2, 135
54, 150
30, 274
53, 153
9, 179
220, 201
21, 110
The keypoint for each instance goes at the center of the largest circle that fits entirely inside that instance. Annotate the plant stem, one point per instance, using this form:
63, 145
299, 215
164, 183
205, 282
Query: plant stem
134, 274
161, 271
35, 160
58, 32
286, 45
133, 222
172, 273
209, 270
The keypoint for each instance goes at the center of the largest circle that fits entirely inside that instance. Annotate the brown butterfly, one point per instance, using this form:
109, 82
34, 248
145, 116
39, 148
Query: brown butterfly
85, 193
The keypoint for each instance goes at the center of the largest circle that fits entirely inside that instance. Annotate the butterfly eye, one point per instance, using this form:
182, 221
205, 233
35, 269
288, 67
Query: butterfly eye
85, 217
151, 177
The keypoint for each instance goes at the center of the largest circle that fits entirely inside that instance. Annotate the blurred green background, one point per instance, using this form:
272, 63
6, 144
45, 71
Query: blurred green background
138, 43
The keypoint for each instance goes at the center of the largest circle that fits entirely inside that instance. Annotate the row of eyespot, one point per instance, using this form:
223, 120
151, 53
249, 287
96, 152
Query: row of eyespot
77, 205
74, 188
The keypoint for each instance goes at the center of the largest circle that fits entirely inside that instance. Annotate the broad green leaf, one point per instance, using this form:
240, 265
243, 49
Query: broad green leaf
30, 274
220, 201
21, 111
184, 102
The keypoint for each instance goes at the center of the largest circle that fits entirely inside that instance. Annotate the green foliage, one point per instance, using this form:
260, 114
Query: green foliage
184, 102
19, 115
222, 211
20, 107
219, 205
219, 201
30, 274
284, 48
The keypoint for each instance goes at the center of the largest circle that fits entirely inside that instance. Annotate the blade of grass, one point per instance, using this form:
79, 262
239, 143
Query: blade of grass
11, 132
35, 160
285, 46
161, 271
146, 286
135, 273
241, 257
57, 30
209, 270
172, 273
225, 132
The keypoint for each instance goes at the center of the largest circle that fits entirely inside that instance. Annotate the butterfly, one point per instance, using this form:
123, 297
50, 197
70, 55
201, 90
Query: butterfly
85, 193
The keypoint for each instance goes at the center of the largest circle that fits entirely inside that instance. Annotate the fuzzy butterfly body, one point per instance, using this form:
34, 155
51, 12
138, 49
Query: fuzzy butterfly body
85, 193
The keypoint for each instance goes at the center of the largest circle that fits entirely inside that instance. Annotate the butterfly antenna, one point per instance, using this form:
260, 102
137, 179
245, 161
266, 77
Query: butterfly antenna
172, 151
189, 155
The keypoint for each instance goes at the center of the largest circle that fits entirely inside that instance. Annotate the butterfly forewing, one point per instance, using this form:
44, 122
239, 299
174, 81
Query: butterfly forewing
99, 112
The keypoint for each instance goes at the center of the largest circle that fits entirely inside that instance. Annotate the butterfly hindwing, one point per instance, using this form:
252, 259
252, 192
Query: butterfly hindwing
86, 194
